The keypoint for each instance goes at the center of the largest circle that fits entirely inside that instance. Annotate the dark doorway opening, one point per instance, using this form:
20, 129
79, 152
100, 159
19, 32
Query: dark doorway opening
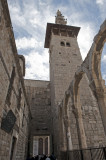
13, 148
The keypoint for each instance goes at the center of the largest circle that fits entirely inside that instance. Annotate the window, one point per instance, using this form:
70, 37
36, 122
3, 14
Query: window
62, 43
46, 146
40, 150
67, 44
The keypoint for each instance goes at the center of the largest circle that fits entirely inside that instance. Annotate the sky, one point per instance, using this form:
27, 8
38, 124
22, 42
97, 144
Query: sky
30, 17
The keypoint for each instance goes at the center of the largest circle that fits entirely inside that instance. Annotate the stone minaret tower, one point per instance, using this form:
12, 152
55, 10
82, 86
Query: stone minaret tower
65, 58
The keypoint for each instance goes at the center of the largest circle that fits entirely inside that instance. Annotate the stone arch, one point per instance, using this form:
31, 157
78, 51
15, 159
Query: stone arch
95, 56
97, 84
67, 120
77, 79
77, 107
68, 103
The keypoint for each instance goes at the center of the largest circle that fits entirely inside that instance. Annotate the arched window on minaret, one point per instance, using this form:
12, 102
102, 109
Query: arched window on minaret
62, 43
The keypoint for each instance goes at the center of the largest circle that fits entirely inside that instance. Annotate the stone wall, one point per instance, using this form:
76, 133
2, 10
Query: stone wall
12, 94
38, 93
91, 132
92, 119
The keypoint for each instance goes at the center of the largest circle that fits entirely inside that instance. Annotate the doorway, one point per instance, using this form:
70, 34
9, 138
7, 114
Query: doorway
41, 145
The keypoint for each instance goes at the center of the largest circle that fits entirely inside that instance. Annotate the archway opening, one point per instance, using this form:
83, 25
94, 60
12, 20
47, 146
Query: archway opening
103, 63
41, 145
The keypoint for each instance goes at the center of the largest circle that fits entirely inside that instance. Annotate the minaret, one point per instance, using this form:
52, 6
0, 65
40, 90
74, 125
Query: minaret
65, 58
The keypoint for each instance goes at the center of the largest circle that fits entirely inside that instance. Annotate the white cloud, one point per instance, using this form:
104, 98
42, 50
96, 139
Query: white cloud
85, 39
86, 33
17, 16
104, 58
102, 8
26, 43
39, 68
104, 77
101, 2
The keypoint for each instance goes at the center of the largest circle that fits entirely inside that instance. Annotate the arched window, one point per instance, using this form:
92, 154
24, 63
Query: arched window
67, 44
46, 146
62, 43
40, 151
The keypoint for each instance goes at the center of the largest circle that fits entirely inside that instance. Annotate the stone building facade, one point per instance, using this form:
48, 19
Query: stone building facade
63, 114
14, 107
